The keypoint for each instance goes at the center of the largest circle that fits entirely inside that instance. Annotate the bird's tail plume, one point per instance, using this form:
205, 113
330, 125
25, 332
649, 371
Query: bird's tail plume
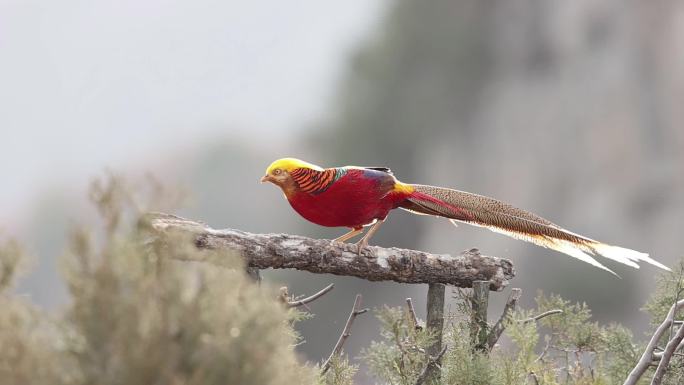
503, 218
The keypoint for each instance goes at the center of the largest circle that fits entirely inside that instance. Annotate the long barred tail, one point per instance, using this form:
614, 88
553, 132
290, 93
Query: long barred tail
503, 218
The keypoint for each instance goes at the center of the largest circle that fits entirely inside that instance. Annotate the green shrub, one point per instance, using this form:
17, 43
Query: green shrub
137, 316
565, 348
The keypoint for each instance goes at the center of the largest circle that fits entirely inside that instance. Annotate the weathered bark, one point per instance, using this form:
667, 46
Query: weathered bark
669, 351
283, 251
648, 355
434, 322
479, 328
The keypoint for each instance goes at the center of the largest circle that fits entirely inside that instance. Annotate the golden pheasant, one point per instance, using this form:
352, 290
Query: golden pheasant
355, 197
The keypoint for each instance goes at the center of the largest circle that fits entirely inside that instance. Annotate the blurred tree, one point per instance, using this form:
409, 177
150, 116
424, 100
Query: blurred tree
136, 316
562, 108
416, 81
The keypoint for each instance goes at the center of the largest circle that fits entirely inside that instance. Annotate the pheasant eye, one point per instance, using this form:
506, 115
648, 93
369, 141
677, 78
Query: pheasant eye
276, 171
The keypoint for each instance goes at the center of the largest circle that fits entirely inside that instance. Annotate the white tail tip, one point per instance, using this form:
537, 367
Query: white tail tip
627, 256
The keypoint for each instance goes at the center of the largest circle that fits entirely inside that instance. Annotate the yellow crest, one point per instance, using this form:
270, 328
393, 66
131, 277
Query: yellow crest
289, 164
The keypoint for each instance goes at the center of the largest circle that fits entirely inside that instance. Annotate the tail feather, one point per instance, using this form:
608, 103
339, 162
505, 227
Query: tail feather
612, 252
503, 218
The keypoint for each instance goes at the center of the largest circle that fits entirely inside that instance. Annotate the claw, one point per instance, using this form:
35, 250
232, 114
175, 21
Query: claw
361, 244
335, 242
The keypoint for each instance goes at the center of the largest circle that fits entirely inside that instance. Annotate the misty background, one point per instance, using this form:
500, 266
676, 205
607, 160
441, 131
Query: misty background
569, 109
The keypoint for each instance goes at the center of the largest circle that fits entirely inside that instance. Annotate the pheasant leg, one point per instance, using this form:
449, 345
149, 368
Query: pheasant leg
363, 242
348, 235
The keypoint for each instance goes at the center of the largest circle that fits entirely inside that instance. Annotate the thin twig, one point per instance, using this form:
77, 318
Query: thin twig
311, 298
542, 315
500, 325
412, 315
432, 361
658, 355
647, 356
404, 353
534, 377
346, 332
546, 350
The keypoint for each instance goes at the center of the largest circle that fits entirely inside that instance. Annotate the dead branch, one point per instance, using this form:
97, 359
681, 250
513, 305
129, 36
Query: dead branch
545, 351
669, 351
346, 332
283, 251
647, 356
413, 320
534, 377
542, 315
432, 362
304, 301
659, 355
500, 325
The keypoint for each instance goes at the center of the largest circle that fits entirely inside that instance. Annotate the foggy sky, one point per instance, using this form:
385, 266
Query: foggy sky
92, 84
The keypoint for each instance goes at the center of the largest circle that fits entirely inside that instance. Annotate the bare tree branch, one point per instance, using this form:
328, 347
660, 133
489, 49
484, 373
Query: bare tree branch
542, 315
346, 332
311, 298
500, 325
282, 251
647, 356
670, 349
659, 355
534, 377
545, 351
432, 361
413, 320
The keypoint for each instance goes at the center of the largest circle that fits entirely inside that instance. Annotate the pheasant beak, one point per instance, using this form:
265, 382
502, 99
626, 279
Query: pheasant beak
266, 178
